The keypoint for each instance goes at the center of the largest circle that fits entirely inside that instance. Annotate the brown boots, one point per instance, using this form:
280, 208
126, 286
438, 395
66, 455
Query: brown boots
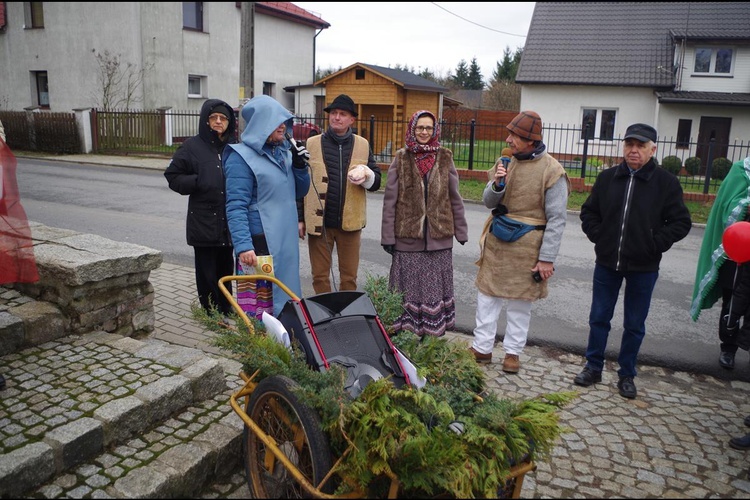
481, 358
511, 363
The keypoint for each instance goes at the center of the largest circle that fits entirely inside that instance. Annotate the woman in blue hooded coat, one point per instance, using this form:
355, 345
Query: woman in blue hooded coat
262, 187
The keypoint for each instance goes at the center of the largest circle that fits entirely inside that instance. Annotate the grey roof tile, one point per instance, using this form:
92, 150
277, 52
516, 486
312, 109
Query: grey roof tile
621, 43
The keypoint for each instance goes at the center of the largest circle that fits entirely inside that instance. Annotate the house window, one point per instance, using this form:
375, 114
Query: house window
196, 84
683, 133
713, 60
33, 13
359, 74
192, 15
598, 124
269, 89
42, 88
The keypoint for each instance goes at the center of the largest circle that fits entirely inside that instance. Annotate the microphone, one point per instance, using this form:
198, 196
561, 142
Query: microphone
505, 155
293, 142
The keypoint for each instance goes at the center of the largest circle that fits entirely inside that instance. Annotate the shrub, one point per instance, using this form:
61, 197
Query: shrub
693, 165
720, 168
672, 164
595, 162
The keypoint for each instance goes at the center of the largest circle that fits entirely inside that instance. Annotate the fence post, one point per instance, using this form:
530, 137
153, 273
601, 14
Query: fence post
83, 122
94, 131
471, 143
372, 131
166, 122
709, 161
585, 154
32, 126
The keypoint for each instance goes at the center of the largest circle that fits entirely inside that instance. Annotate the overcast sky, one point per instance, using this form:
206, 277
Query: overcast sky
431, 35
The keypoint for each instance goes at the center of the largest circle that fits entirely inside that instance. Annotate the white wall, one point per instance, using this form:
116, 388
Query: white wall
148, 34
739, 81
284, 60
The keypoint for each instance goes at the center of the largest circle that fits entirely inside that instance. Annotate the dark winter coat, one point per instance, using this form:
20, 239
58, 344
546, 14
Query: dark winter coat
196, 171
632, 219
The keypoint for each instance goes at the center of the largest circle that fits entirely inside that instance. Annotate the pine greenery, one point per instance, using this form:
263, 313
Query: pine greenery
407, 433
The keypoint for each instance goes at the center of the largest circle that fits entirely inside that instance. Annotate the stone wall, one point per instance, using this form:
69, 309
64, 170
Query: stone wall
86, 283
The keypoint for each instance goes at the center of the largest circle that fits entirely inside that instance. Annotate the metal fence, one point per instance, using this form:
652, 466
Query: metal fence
161, 131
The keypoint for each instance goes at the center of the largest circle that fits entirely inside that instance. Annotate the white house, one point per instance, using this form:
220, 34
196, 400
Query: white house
185, 51
683, 67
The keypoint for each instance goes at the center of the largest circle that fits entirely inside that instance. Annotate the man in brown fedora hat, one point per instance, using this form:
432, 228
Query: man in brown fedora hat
532, 189
342, 170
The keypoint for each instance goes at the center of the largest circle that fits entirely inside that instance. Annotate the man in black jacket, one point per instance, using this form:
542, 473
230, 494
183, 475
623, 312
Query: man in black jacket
196, 171
634, 213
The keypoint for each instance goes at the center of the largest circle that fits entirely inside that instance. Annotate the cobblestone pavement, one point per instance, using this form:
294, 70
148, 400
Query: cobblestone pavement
671, 441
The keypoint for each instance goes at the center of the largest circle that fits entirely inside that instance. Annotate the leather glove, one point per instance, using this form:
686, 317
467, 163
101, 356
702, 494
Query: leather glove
300, 155
389, 248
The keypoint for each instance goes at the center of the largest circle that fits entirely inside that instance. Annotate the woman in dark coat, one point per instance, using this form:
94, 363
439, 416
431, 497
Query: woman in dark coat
196, 171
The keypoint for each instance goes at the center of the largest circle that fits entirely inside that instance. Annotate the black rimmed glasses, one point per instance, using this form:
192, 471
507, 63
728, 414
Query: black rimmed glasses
424, 129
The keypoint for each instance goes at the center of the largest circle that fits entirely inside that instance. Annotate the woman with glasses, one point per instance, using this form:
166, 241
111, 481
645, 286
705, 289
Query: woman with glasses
422, 213
196, 171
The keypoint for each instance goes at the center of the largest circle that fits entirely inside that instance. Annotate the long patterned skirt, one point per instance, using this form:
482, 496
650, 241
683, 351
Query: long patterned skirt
426, 281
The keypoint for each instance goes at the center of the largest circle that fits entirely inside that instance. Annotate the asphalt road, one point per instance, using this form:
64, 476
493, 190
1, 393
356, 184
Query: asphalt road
135, 205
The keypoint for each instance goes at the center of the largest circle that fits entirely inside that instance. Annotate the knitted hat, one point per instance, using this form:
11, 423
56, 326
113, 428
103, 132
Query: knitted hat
527, 125
344, 102
221, 108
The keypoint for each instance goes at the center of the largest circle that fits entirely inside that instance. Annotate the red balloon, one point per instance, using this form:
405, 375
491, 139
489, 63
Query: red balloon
736, 241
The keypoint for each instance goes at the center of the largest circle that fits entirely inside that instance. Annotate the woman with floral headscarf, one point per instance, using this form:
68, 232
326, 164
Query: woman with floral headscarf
422, 213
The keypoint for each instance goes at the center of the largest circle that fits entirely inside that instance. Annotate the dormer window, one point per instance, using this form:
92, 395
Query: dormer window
713, 61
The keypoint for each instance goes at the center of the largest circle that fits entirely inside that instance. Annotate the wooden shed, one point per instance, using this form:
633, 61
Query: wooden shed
390, 95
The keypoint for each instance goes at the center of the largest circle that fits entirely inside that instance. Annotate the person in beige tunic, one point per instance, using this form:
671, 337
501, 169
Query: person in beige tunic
534, 189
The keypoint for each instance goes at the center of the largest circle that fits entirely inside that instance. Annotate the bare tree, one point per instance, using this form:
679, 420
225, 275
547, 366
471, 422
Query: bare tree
119, 81
503, 95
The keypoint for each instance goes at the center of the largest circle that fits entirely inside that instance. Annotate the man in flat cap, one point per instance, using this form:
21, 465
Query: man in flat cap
634, 213
342, 170
512, 274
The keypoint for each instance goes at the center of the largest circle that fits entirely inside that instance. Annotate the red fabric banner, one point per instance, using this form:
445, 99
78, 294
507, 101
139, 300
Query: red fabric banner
17, 263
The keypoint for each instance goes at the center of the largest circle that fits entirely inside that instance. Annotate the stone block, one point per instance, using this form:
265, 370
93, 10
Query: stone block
165, 396
11, 333
76, 442
42, 322
121, 418
25, 468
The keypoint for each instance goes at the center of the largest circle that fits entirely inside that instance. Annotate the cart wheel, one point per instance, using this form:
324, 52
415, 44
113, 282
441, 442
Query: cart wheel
295, 428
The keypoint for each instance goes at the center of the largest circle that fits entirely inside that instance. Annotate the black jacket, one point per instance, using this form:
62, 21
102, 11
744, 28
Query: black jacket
633, 219
337, 153
196, 171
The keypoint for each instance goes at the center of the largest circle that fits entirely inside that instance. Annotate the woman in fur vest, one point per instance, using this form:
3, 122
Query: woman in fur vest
422, 213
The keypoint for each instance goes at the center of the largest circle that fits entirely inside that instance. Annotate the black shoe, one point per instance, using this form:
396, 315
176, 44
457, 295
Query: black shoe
587, 377
2, 382
747, 421
742, 443
726, 360
627, 387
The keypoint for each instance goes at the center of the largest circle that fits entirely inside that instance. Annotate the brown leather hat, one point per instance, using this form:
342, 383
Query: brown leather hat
527, 125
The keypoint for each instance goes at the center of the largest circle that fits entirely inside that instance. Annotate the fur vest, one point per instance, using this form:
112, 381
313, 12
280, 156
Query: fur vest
414, 205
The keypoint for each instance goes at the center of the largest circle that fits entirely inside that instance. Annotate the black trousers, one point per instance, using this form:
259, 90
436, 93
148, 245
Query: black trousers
212, 263
728, 282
